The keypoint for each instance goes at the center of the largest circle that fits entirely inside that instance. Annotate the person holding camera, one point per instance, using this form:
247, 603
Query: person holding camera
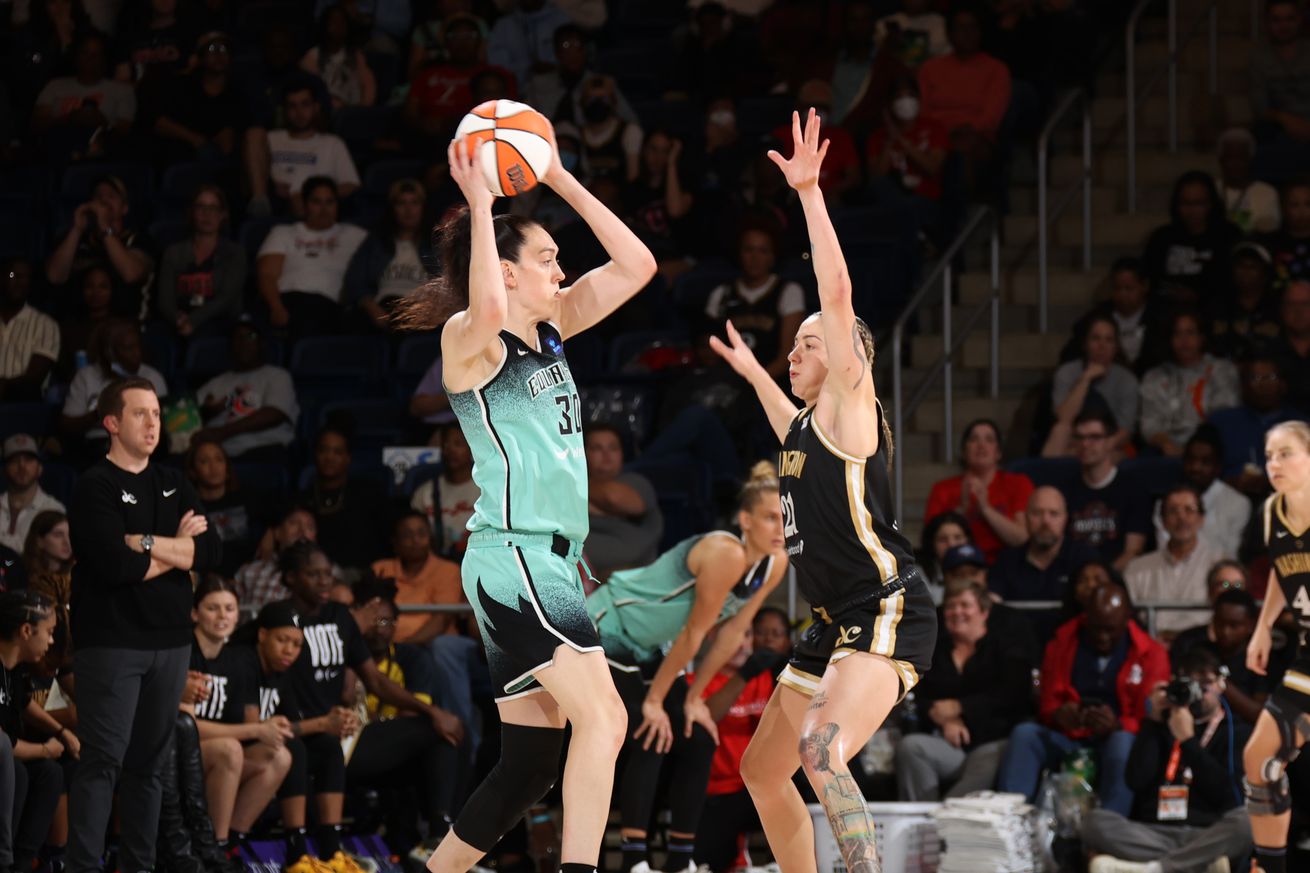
1183, 770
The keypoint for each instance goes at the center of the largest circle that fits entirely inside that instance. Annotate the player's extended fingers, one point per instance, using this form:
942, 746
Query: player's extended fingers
797, 137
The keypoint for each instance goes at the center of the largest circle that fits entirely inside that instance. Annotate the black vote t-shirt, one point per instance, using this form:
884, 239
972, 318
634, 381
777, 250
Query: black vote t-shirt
15, 690
232, 683
313, 684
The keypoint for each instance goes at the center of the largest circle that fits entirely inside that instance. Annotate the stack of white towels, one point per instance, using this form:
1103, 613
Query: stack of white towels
987, 831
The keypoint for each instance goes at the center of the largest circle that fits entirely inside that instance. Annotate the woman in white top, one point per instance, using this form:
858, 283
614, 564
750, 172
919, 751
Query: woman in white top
339, 64
1179, 394
1097, 376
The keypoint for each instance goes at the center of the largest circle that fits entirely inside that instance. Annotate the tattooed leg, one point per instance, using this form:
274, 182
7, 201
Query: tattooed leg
848, 814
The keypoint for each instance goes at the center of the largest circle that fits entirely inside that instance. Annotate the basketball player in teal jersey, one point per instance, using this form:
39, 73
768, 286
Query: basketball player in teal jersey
874, 623
511, 388
652, 621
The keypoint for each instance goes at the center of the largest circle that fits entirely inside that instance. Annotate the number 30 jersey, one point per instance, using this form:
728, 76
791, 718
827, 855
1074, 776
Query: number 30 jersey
1289, 553
837, 515
524, 427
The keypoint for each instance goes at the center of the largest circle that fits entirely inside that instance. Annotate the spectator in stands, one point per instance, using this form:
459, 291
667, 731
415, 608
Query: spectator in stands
199, 116
117, 354
1246, 318
29, 337
1242, 428
1252, 205
626, 522
556, 92
766, 309
289, 158
967, 92
906, 157
40, 47
859, 75
153, 43
301, 268
277, 68
48, 562
88, 314
99, 235
251, 409
1187, 259
1280, 83
1290, 245
1175, 572
23, 497
840, 172
1291, 350
523, 39
351, 513
31, 776
260, 581
941, 533
420, 577
1225, 636
657, 201
919, 30
427, 41
1129, 306
429, 403
385, 23
1106, 511
447, 501
1040, 568
1096, 382
85, 115
1095, 676
1187, 810
1179, 394
992, 499
392, 262
611, 146
1227, 510
963, 564
1084, 583
440, 93
202, 280
339, 62
228, 507
978, 689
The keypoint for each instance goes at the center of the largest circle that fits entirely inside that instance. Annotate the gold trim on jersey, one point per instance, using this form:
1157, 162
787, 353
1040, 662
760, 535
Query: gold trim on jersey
1297, 681
890, 612
799, 680
830, 446
862, 521
1269, 516
1278, 507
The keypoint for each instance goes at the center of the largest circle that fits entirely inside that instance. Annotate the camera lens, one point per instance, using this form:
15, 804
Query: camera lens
1182, 692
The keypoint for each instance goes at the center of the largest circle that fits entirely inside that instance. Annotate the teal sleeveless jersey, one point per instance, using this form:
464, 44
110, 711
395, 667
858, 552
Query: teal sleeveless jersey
644, 609
524, 427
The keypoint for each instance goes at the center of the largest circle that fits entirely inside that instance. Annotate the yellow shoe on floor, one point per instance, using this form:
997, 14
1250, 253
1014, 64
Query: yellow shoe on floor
343, 863
309, 864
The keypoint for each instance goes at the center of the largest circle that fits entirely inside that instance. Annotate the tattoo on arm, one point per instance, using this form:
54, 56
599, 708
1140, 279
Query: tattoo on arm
859, 353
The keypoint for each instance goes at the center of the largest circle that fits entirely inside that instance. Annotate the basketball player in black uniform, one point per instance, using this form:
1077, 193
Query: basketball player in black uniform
874, 624
1284, 725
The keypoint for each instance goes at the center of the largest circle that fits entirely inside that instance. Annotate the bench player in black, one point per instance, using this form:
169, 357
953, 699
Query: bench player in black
1284, 725
874, 623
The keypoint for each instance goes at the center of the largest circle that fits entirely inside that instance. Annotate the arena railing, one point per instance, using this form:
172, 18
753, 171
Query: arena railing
1046, 214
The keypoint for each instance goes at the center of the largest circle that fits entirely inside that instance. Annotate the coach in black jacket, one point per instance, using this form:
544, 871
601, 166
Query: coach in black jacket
1184, 771
137, 531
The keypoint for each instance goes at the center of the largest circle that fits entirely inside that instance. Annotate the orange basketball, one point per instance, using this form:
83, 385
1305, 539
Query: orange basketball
511, 141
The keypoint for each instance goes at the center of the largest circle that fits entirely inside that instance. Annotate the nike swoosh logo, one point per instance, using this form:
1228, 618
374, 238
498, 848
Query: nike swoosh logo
1281, 534
170, 492
521, 352
562, 453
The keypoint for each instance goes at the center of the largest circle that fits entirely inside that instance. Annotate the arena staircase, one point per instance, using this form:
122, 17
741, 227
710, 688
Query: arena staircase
1028, 354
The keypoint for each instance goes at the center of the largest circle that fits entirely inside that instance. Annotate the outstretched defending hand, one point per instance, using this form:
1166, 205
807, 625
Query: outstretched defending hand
466, 170
808, 151
738, 355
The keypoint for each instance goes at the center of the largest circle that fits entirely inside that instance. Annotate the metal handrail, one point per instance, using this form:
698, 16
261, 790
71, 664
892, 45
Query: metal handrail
943, 272
1151, 608
1044, 217
1170, 70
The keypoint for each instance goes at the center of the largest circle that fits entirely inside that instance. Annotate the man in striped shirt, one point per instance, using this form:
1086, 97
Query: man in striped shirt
29, 340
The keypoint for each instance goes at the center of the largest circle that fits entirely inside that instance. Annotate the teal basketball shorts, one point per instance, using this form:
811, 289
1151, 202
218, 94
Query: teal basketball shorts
526, 593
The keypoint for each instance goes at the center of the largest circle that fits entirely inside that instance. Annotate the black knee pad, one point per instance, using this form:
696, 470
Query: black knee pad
528, 767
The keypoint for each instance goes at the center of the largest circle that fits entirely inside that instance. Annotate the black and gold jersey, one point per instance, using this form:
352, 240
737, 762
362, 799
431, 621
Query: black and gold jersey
1289, 555
837, 515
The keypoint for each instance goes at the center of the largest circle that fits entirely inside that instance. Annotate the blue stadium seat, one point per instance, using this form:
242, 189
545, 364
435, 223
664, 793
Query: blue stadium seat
161, 352
685, 496
338, 361
630, 407
271, 480
380, 174
78, 179
370, 416
416, 353
36, 419
252, 234
180, 181
692, 288
586, 354
58, 480
22, 232
167, 231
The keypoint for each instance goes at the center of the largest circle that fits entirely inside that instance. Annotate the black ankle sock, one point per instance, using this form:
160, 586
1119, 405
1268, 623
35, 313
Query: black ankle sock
679, 854
577, 868
634, 852
328, 839
1271, 859
296, 844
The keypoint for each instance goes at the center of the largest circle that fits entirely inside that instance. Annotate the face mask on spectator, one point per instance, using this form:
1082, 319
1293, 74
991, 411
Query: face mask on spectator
906, 107
597, 110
